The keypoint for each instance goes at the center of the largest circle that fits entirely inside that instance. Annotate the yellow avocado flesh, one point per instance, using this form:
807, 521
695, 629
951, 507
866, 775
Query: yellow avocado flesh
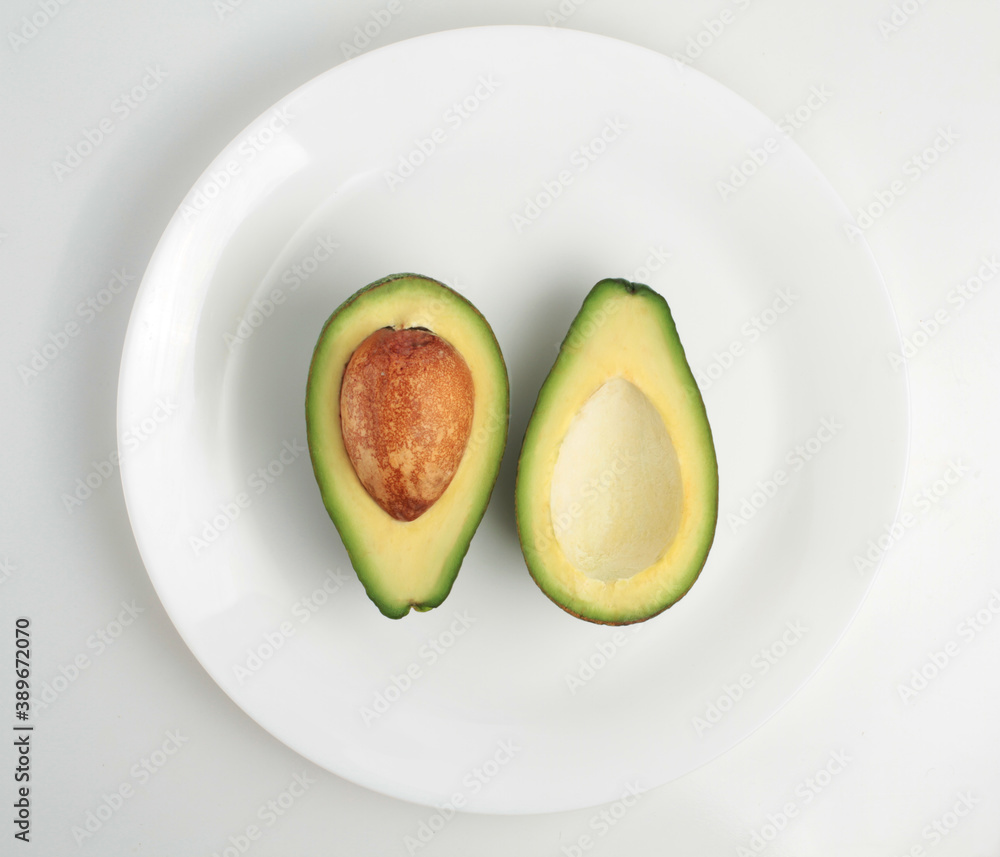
405, 564
617, 493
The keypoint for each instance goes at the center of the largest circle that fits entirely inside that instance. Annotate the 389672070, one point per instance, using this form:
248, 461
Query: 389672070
22, 731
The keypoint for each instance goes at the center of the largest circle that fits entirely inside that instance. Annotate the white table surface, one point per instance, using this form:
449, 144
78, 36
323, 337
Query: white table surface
905, 776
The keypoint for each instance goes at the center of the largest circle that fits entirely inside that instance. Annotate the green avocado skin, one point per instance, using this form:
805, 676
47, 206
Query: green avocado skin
359, 539
547, 405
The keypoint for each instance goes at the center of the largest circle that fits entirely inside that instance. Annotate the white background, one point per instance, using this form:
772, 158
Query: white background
893, 87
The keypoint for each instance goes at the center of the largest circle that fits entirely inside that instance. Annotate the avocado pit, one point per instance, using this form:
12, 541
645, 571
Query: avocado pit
406, 408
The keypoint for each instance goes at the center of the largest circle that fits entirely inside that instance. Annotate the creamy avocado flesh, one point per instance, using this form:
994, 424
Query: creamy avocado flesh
408, 531
617, 488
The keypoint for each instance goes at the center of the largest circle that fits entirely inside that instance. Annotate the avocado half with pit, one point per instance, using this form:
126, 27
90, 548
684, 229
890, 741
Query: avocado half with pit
406, 414
617, 486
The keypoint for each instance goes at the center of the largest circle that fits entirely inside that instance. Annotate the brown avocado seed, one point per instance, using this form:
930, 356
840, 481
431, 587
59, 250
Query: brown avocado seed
406, 405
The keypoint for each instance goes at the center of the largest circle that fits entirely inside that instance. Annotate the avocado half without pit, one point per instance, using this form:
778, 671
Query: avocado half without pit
406, 415
617, 486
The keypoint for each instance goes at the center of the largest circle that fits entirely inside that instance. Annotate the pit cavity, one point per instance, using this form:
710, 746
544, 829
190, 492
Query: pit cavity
616, 497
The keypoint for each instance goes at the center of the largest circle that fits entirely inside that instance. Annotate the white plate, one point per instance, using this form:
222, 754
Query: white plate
498, 701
